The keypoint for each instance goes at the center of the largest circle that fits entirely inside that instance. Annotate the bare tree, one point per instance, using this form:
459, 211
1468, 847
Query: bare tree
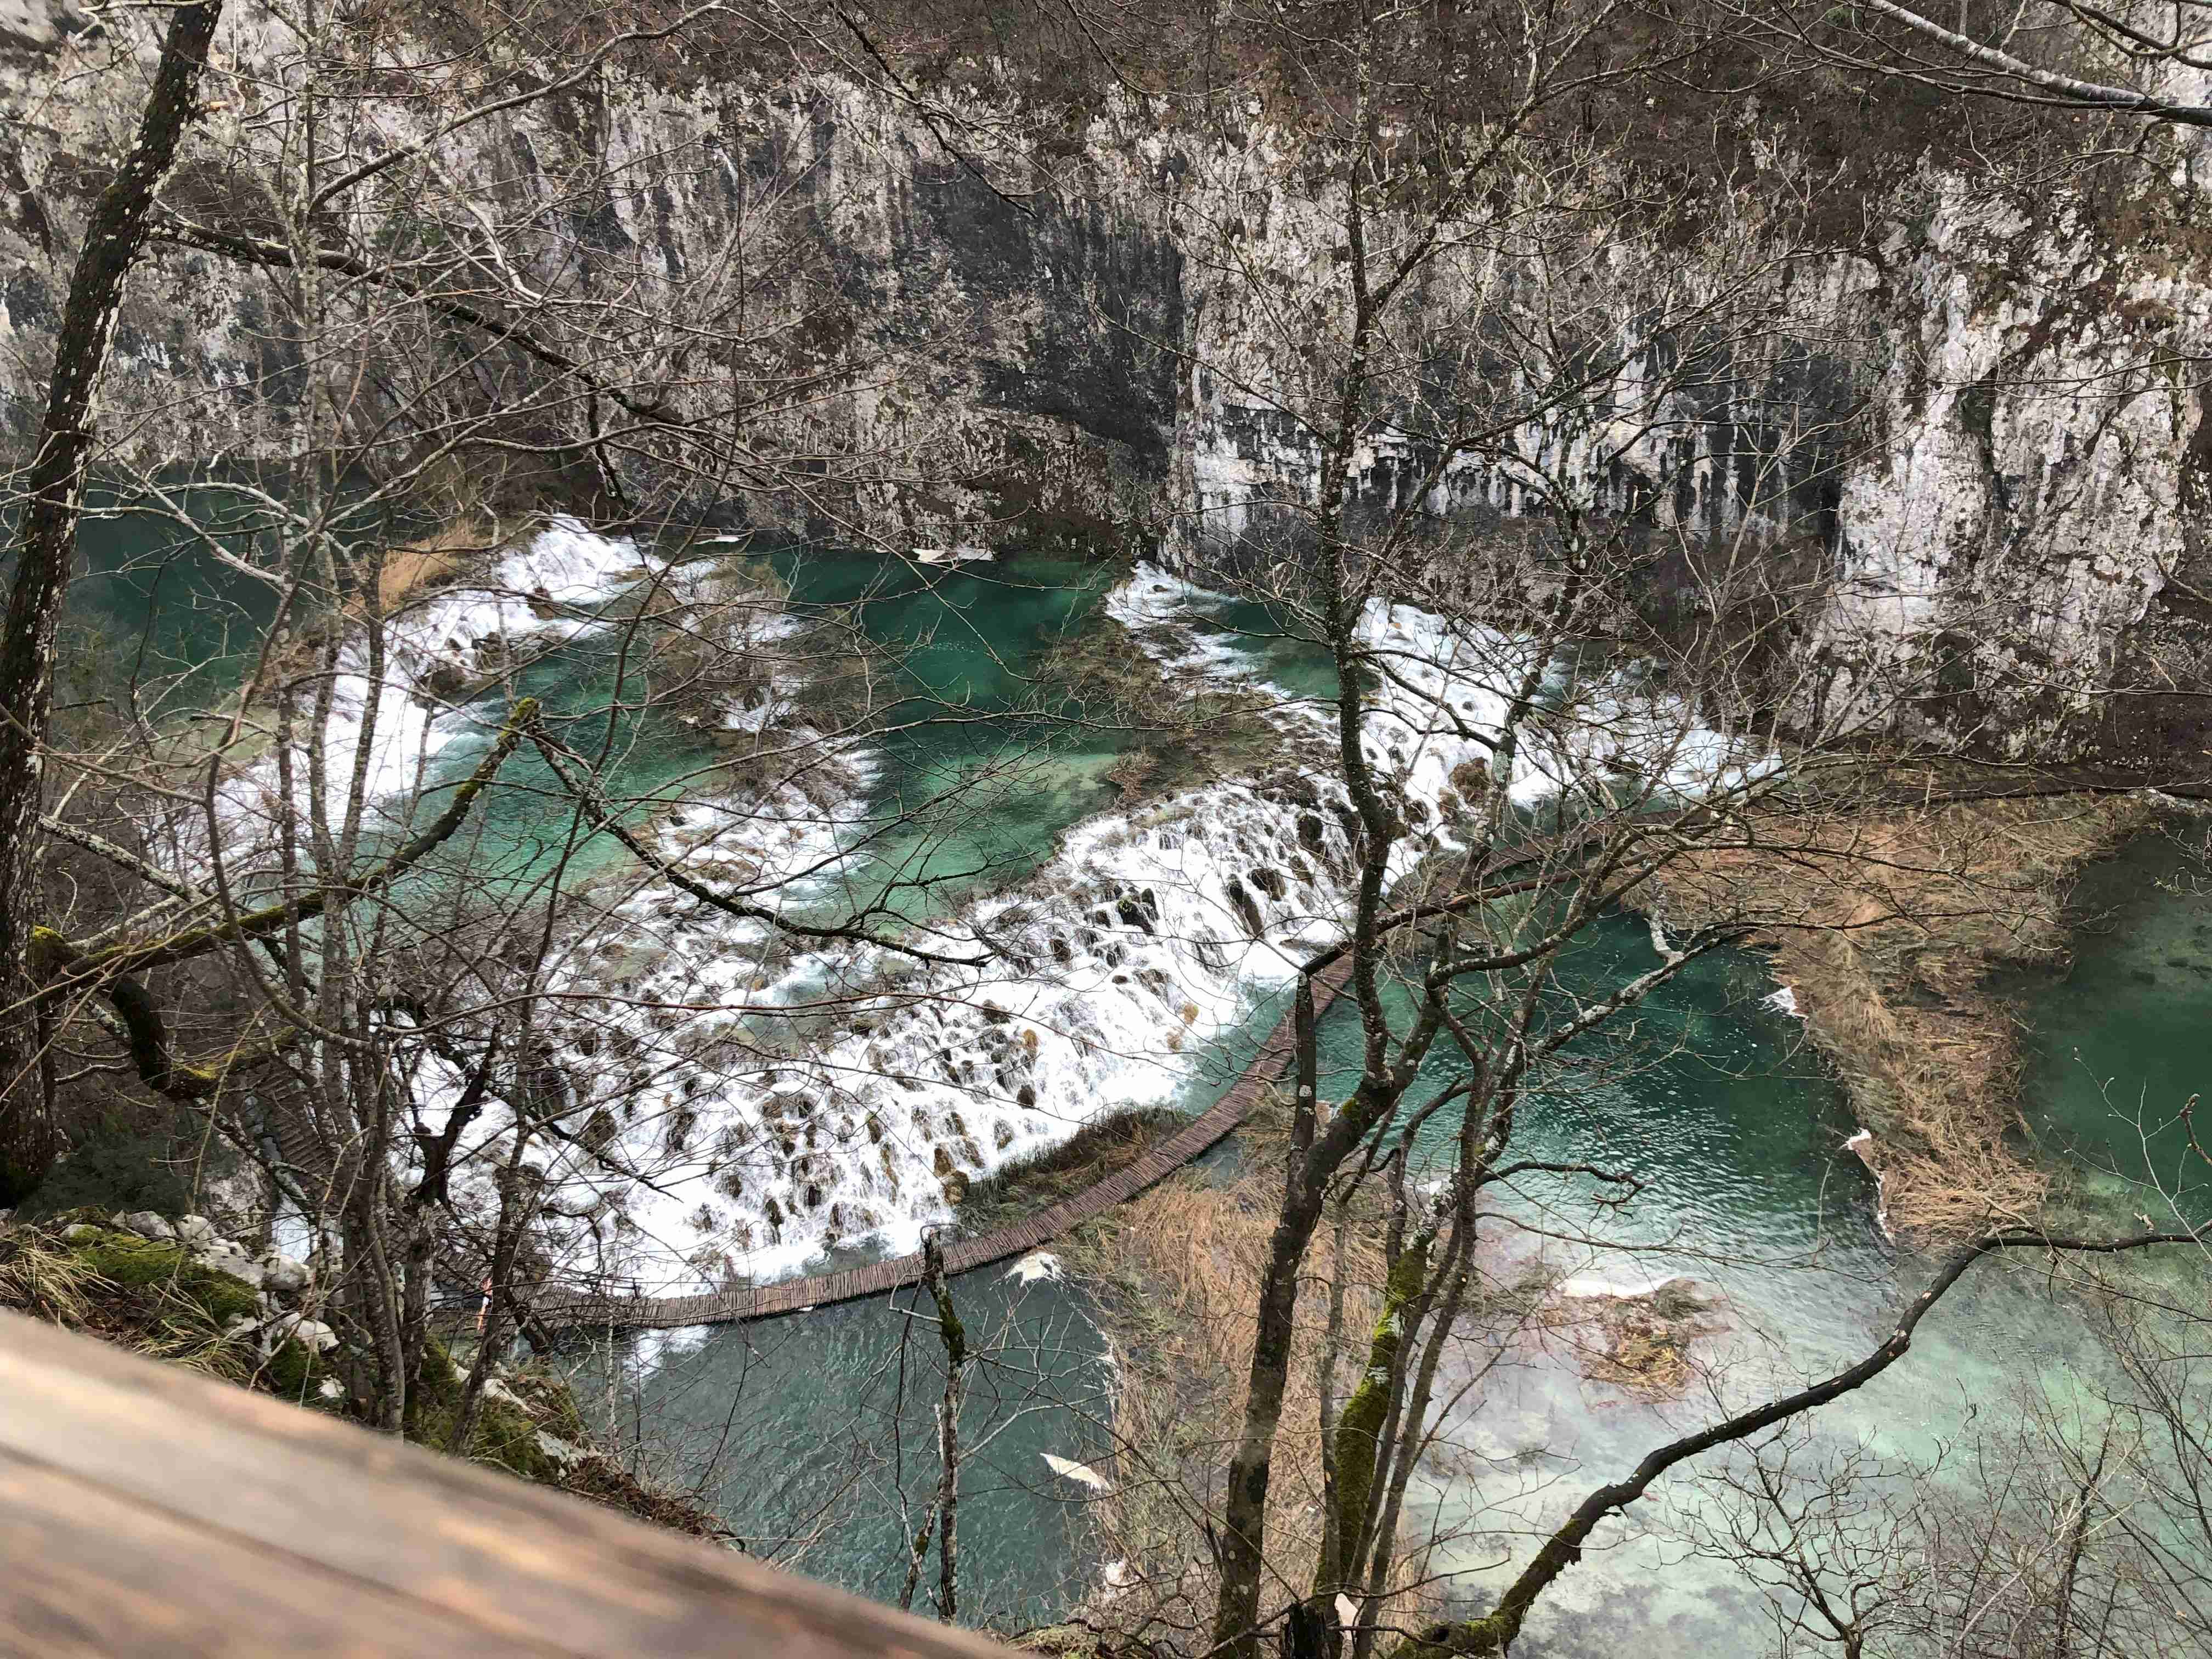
46, 551
458, 351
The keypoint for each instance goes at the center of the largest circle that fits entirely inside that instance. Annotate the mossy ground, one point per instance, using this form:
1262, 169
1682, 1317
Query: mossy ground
149, 1294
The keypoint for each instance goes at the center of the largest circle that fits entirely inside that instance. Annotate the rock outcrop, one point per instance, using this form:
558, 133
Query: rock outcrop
1043, 347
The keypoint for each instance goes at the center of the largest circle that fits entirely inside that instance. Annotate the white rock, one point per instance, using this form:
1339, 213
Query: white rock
287, 1276
80, 1230
329, 1390
1068, 1469
198, 1229
146, 1224
563, 1452
292, 1327
227, 1258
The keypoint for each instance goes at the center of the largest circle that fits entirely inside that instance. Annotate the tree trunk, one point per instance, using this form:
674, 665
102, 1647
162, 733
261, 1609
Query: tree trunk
1236, 1614
45, 551
955, 1337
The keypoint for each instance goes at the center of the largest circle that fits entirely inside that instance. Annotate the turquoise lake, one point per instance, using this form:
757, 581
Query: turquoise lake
1710, 1096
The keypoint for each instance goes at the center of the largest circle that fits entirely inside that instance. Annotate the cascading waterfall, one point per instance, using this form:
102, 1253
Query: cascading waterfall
436, 652
709, 1151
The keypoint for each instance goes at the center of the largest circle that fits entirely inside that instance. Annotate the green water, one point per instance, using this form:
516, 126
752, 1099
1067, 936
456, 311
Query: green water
814, 1436
183, 625
2118, 1039
1706, 1096
981, 769
976, 772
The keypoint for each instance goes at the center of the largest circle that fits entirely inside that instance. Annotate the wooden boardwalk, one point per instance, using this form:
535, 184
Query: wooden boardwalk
556, 1310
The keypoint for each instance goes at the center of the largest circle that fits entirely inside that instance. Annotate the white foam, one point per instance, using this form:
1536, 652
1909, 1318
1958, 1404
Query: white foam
390, 718
1143, 943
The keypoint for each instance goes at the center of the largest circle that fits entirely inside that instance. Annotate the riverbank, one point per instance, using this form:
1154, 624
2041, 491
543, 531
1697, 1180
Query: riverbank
1890, 923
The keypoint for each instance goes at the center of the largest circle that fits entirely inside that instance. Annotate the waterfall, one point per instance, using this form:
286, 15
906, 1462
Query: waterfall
707, 1147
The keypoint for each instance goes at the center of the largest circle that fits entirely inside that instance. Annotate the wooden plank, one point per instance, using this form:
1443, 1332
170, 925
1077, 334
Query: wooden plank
91, 1573
144, 1509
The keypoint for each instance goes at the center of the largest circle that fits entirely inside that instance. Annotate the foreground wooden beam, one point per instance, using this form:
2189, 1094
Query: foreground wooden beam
147, 1511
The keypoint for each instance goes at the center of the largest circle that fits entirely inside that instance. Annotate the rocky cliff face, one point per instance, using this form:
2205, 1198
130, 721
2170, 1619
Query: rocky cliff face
1080, 342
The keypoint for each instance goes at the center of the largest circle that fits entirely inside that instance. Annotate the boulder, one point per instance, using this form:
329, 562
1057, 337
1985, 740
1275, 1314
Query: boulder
312, 1334
286, 1275
226, 1258
198, 1231
563, 1452
146, 1224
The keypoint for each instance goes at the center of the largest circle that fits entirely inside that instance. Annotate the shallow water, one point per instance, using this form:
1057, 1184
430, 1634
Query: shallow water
1712, 1101
2117, 1047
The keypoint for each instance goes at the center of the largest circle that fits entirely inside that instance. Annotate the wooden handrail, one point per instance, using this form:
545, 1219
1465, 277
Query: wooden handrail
144, 1509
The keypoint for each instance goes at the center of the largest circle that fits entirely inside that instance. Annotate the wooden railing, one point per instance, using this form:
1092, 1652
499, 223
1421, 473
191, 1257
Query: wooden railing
146, 1510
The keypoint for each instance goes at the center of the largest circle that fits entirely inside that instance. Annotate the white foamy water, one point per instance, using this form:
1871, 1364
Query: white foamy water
715, 1145
394, 717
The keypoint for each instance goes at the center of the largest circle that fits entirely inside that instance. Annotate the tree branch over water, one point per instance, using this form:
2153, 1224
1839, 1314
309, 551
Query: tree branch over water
1495, 1633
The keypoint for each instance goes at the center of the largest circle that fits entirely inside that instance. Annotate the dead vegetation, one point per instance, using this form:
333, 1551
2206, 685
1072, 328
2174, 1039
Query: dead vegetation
1641, 1343
1179, 1269
416, 568
1886, 925
1022, 1186
1181, 733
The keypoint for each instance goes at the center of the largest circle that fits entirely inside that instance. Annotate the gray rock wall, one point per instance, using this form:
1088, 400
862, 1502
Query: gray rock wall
1077, 355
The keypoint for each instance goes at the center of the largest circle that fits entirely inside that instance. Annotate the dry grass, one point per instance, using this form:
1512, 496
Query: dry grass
431, 562
38, 1278
1886, 926
1180, 1269
1024, 1186
1642, 1343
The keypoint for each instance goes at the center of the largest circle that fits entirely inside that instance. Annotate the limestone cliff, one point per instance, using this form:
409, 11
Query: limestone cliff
1071, 335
